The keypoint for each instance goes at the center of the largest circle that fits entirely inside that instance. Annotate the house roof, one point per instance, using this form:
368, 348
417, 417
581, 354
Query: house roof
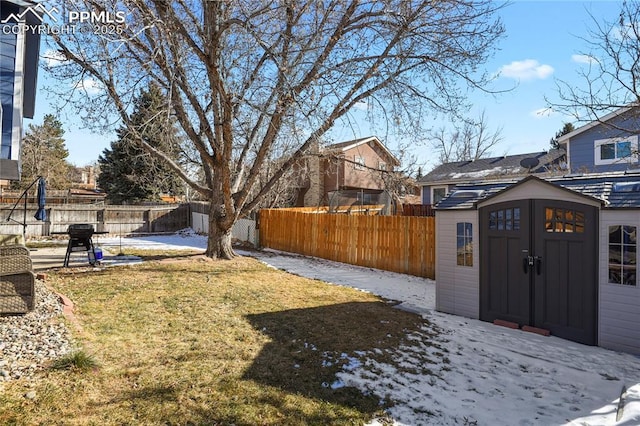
565, 138
616, 190
347, 145
493, 168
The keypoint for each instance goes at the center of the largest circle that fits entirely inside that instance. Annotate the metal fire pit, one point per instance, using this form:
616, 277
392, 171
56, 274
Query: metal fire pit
80, 236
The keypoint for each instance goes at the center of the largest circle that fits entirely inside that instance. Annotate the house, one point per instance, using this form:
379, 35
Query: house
439, 182
358, 166
84, 177
19, 51
606, 145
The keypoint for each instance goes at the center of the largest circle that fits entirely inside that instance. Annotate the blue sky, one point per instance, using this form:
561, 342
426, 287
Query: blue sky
542, 45
539, 47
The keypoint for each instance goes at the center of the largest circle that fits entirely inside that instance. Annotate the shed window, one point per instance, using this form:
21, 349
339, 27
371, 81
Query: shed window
505, 219
563, 220
622, 254
464, 244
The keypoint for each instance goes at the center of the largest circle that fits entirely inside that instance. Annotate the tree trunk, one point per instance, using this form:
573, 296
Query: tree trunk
219, 241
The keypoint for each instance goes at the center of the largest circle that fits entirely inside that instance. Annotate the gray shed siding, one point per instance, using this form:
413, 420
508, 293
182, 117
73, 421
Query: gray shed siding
581, 150
457, 287
619, 305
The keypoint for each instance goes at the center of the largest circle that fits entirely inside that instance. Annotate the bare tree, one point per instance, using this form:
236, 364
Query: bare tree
610, 78
254, 80
466, 142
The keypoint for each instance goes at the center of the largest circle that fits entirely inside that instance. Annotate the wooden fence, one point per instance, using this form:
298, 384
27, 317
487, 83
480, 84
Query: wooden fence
118, 220
418, 210
392, 243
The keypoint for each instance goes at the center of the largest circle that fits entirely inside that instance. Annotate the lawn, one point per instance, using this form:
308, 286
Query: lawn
189, 341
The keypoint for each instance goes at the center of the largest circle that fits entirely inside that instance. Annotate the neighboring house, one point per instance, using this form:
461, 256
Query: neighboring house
558, 254
84, 177
439, 182
19, 51
606, 145
353, 165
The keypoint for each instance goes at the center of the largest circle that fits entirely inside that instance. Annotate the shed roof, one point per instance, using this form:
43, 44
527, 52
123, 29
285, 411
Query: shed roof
616, 190
503, 167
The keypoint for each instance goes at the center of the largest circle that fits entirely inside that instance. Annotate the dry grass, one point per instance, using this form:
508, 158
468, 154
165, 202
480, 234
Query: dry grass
196, 342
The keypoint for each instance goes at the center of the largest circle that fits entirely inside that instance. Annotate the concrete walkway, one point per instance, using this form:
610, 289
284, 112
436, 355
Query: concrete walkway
53, 257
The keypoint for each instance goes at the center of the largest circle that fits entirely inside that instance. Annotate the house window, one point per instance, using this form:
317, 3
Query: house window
505, 219
382, 165
563, 220
464, 243
622, 254
438, 193
358, 162
611, 151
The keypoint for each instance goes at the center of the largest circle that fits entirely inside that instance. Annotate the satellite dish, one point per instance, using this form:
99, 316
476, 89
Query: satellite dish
529, 162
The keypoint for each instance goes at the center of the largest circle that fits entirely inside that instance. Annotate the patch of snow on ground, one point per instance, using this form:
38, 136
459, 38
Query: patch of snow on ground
184, 240
472, 372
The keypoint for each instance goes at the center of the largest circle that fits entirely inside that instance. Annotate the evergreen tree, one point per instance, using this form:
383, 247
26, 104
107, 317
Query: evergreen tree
128, 173
567, 128
44, 154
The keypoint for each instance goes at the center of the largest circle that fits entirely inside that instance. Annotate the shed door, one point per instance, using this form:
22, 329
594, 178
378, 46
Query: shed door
539, 266
505, 289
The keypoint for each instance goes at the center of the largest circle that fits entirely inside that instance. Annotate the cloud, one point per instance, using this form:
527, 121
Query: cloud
90, 85
529, 69
362, 105
542, 113
52, 58
584, 59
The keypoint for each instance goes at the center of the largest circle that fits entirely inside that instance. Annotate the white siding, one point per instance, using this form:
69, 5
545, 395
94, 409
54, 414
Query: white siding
618, 305
457, 287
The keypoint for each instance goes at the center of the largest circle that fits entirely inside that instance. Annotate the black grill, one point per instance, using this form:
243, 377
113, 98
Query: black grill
80, 231
80, 236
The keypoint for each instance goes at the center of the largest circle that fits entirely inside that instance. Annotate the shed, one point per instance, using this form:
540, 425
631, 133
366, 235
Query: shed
558, 254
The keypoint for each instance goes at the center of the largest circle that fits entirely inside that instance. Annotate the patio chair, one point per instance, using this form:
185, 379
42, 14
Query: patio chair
17, 289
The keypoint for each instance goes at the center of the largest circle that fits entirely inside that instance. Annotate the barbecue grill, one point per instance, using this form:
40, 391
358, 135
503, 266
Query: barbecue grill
80, 236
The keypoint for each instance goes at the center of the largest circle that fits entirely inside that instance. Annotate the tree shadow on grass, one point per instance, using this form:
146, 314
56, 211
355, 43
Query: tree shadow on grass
309, 346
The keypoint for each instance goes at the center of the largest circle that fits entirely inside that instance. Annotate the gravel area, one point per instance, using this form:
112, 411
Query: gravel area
28, 342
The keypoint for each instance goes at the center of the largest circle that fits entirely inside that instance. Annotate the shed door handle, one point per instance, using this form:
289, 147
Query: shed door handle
538, 264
